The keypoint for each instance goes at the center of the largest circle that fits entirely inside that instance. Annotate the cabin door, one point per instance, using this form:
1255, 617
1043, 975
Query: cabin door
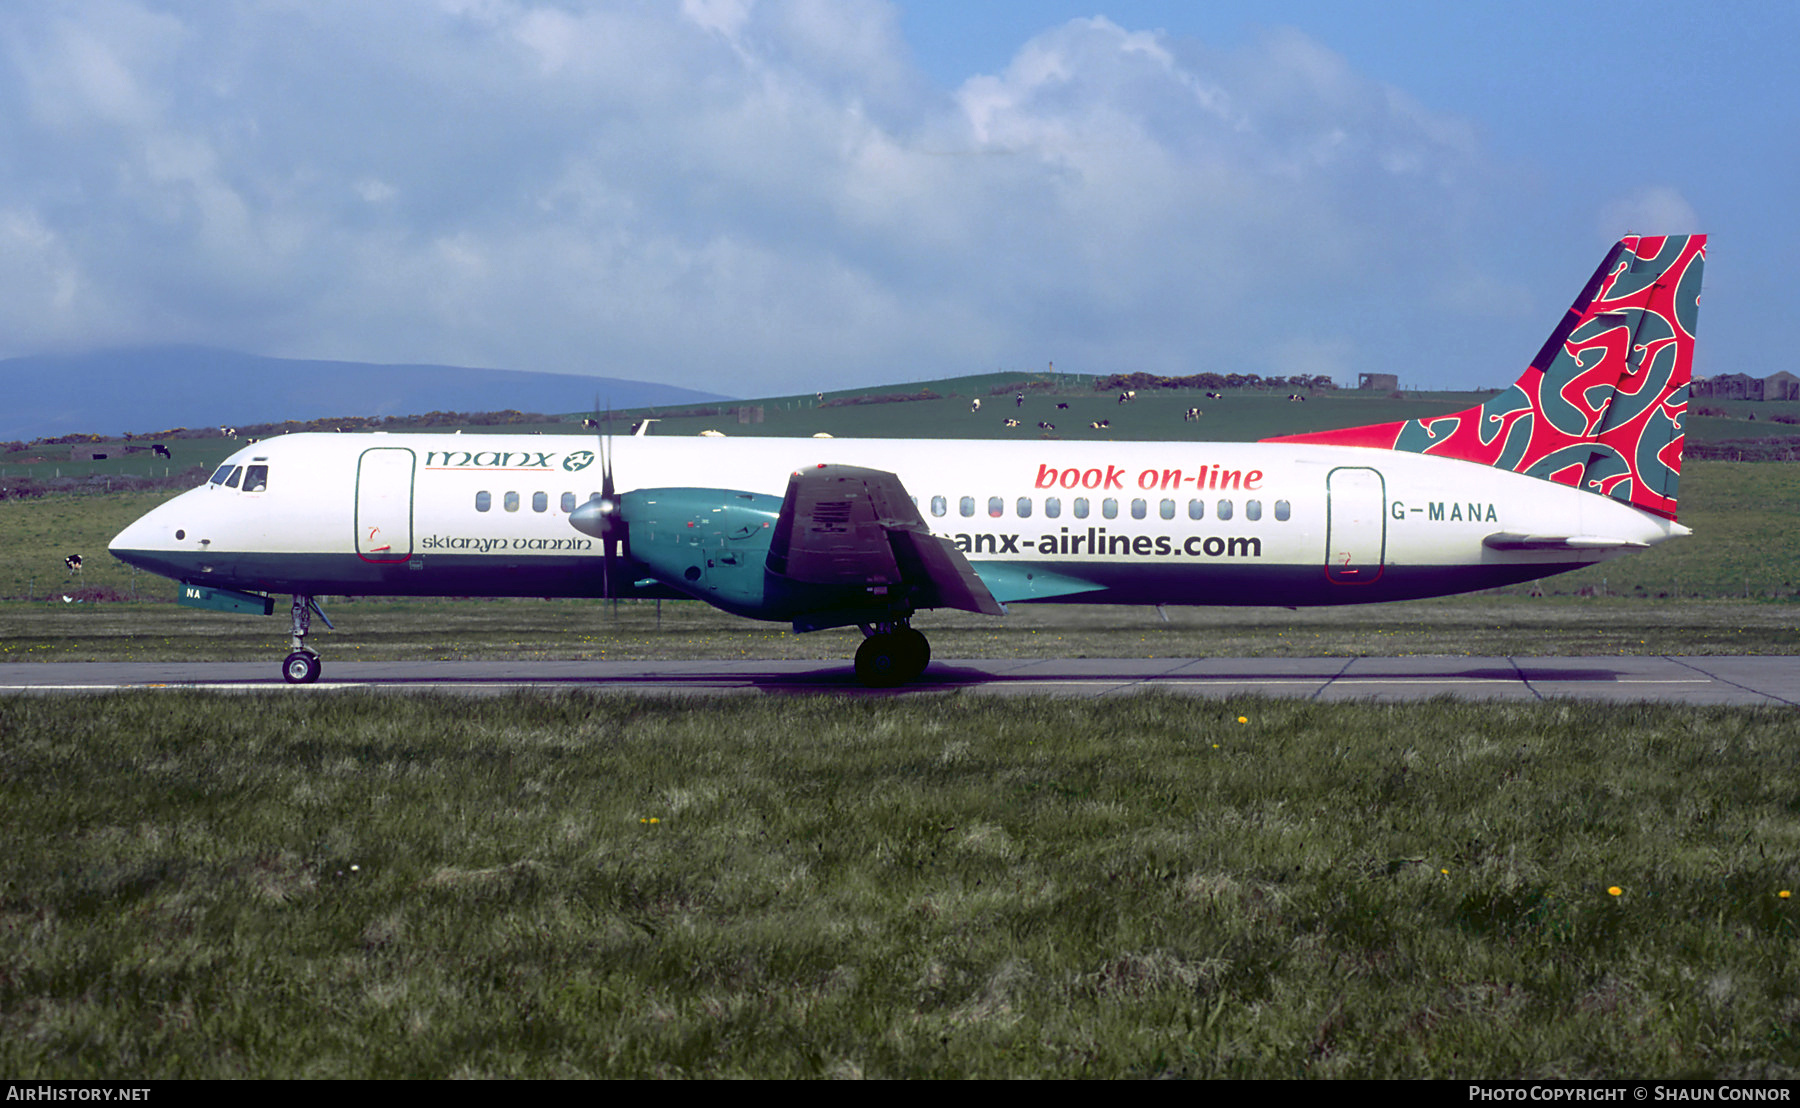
384, 508
1356, 525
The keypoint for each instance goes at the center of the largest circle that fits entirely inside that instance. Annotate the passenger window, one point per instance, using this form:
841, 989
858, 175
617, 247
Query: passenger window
1281, 510
1139, 509
996, 507
1196, 509
232, 481
568, 502
1252, 509
967, 506
1052, 506
1167, 509
256, 479
1081, 507
512, 501
484, 500
1024, 507
939, 505
1109, 508
1224, 509
540, 501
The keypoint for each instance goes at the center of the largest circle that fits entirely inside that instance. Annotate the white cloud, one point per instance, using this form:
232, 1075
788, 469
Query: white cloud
737, 196
1654, 210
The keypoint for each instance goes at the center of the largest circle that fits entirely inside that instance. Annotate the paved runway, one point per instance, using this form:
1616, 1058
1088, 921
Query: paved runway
1769, 680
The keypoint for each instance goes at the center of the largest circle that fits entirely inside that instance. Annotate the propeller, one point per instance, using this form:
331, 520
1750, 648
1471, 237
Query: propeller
600, 516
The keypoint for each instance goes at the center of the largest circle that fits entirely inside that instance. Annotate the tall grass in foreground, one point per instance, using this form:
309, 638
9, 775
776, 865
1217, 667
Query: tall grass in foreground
200, 885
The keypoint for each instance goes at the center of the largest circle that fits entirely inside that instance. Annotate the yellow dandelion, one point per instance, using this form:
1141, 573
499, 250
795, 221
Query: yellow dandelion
1615, 891
1243, 719
1784, 894
1445, 872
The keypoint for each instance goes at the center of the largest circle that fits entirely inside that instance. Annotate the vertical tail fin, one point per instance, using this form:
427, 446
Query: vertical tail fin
1601, 405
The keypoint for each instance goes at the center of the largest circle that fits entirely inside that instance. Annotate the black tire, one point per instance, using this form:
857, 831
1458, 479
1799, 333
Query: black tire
301, 668
881, 662
917, 650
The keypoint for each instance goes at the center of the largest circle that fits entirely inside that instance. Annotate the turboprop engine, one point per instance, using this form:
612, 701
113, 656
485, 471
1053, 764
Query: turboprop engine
712, 544
844, 546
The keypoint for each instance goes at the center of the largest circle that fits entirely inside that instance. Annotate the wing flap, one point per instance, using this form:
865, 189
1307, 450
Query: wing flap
849, 526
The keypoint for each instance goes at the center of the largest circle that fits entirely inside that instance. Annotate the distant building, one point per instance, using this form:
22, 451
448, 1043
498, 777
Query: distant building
1781, 386
1378, 382
1728, 386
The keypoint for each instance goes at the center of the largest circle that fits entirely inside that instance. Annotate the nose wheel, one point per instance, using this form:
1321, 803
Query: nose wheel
891, 655
303, 666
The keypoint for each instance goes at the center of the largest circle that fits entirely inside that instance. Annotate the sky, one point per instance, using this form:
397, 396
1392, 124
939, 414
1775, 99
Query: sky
757, 197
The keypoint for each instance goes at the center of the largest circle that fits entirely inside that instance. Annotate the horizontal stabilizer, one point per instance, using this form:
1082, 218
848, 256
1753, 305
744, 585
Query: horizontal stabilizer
1507, 540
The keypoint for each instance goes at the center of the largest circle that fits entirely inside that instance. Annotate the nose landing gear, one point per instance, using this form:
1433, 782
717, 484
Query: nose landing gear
303, 666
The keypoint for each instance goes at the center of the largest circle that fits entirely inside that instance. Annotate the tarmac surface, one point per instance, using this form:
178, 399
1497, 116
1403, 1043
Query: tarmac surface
1761, 680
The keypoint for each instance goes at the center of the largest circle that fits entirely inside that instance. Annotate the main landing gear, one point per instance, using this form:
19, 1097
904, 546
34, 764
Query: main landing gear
891, 654
302, 667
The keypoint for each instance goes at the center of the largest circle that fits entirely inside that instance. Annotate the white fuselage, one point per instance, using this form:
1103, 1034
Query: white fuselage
1129, 522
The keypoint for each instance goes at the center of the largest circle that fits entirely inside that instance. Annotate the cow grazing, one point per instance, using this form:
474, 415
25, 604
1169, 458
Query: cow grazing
1294, 397
1011, 422
157, 449
975, 404
1042, 426
1215, 396
73, 561
1191, 415
1062, 407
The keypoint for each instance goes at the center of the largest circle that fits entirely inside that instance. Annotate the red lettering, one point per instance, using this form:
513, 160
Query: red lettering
1171, 477
1046, 477
1253, 478
1090, 479
1115, 477
1229, 478
1147, 479
1070, 478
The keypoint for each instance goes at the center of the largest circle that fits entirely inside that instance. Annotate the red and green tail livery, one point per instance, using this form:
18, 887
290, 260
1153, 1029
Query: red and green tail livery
1600, 407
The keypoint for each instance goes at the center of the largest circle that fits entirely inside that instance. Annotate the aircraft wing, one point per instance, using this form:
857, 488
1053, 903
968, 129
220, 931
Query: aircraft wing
849, 526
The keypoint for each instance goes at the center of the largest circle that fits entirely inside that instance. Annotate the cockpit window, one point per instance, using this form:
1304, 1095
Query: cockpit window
256, 479
232, 481
219, 475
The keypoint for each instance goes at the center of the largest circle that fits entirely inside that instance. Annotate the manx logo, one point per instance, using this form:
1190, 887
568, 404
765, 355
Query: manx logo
505, 459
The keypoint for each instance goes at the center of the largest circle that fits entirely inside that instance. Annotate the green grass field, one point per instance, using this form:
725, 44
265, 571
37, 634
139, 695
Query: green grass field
525, 630
204, 886
573, 885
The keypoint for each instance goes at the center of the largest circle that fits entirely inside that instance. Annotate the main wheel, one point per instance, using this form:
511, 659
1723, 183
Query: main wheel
916, 649
301, 668
881, 662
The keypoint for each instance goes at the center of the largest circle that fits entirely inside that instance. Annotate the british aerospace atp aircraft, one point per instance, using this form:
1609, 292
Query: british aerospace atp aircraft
1577, 462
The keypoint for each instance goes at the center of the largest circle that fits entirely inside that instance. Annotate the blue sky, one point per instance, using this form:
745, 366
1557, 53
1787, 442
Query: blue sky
755, 197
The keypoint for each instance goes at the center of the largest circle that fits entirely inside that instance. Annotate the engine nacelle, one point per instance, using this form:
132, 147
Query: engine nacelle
712, 544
